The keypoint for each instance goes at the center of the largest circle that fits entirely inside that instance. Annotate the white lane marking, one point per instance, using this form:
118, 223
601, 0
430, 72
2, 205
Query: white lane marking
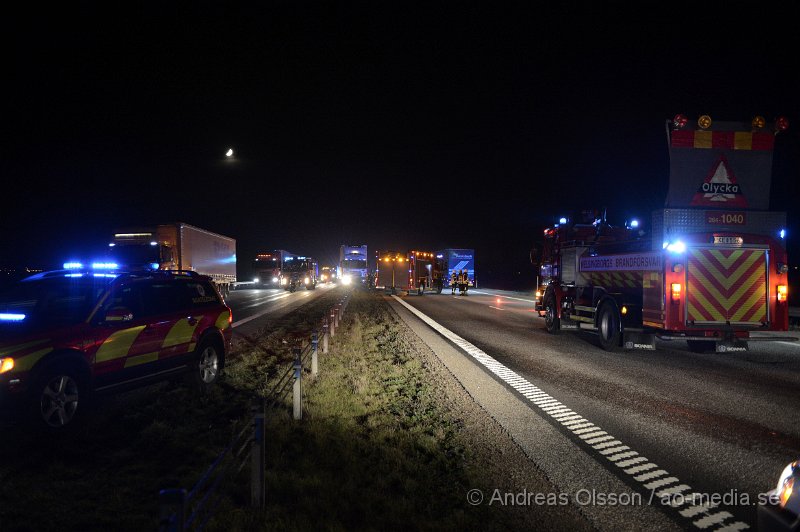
793, 344
507, 297
498, 308
592, 435
258, 315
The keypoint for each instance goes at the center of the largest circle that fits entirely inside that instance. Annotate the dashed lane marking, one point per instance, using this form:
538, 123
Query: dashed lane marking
600, 444
258, 315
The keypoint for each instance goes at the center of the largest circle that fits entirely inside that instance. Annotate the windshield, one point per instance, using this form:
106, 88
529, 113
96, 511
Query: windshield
354, 264
135, 255
55, 301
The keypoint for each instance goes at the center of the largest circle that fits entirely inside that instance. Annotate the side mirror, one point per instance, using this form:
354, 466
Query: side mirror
118, 315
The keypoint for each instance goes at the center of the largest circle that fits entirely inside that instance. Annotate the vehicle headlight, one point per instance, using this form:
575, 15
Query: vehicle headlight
307, 280
6, 365
785, 489
347, 279
256, 280
274, 279
283, 281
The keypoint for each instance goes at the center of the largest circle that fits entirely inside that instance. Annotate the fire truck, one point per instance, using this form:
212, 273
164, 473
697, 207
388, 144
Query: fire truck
712, 270
299, 271
413, 271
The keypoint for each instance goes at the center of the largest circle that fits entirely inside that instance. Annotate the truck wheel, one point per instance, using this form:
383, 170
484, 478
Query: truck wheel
551, 319
59, 398
608, 327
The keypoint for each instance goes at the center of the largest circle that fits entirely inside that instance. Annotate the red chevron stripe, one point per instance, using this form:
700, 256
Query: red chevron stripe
757, 265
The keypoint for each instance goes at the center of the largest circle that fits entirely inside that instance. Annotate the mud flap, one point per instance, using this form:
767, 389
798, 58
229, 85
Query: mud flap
638, 340
731, 346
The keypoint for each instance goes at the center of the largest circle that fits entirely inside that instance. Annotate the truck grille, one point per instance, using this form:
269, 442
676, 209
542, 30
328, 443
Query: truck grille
727, 286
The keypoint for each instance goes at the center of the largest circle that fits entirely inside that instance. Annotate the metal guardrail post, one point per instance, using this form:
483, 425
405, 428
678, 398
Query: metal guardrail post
332, 321
297, 389
172, 503
258, 457
314, 349
336, 314
324, 336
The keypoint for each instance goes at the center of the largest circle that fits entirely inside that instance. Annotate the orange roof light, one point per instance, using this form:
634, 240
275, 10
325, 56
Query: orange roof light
704, 122
759, 122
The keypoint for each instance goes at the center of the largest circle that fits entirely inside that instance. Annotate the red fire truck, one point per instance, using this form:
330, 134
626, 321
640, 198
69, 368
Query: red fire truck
713, 268
409, 271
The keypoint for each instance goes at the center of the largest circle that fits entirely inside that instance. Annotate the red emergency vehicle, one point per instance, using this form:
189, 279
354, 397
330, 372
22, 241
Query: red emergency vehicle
712, 270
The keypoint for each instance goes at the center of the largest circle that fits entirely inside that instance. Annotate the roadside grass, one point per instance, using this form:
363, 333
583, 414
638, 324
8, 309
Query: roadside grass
376, 449
107, 474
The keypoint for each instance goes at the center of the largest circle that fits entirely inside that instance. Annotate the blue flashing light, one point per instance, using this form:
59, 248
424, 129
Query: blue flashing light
676, 247
562, 220
111, 245
782, 233
105, 265
73, 266
5, 316
634, 224
111, 275
153, 243
439, 256
74, 275
154, 265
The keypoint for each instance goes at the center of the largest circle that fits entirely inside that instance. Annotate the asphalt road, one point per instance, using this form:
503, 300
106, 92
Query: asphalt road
251, 306
720, 423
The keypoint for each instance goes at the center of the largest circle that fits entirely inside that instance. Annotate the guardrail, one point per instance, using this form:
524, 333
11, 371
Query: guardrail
190, 510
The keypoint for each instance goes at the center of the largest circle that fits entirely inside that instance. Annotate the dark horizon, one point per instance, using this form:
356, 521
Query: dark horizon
448, 127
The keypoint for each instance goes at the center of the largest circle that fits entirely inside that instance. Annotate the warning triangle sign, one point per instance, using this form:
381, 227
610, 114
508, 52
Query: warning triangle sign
720, 188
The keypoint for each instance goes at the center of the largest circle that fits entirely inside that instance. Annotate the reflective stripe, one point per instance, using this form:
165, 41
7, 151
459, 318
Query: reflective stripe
180, 333
224, 320
118, 344
141, 359
26, 362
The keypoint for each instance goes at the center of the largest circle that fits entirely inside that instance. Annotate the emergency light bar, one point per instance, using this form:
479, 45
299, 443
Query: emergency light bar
11, 317
73, 266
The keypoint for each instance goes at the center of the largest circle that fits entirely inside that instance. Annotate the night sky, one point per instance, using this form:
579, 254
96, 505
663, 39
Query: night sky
396, 125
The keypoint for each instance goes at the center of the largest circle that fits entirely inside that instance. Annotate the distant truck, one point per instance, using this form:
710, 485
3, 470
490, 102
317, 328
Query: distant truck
392, 271
268, 267
458, 260
353, 264
299, 271
177, 247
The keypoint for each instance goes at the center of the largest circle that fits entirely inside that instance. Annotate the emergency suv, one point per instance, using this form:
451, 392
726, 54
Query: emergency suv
70, 335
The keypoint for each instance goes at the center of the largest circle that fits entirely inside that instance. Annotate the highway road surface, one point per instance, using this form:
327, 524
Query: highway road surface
666, 422
251, 307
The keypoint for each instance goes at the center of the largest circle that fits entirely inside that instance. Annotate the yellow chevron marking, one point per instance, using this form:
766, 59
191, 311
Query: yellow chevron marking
118, 344
141, 359
747, 305
180, 333
742, 140
702, 139
26, 362
694, 312
728, 302
223, 320
727, 281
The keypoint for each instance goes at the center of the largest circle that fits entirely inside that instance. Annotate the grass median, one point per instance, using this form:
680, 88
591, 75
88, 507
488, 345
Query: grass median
376, 449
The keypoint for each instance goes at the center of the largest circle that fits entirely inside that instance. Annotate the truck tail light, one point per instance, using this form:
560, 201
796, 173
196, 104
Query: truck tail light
676, 291
783, 292
230, 317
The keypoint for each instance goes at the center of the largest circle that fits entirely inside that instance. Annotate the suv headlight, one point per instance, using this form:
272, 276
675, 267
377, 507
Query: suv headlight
6, 365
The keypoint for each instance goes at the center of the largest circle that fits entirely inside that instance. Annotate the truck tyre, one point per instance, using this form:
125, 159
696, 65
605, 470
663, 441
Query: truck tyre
551, 319
207, 364
608, 327
59, 398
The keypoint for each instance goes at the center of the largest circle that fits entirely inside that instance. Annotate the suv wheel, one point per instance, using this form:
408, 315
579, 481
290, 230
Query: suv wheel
208, 364
58, 398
